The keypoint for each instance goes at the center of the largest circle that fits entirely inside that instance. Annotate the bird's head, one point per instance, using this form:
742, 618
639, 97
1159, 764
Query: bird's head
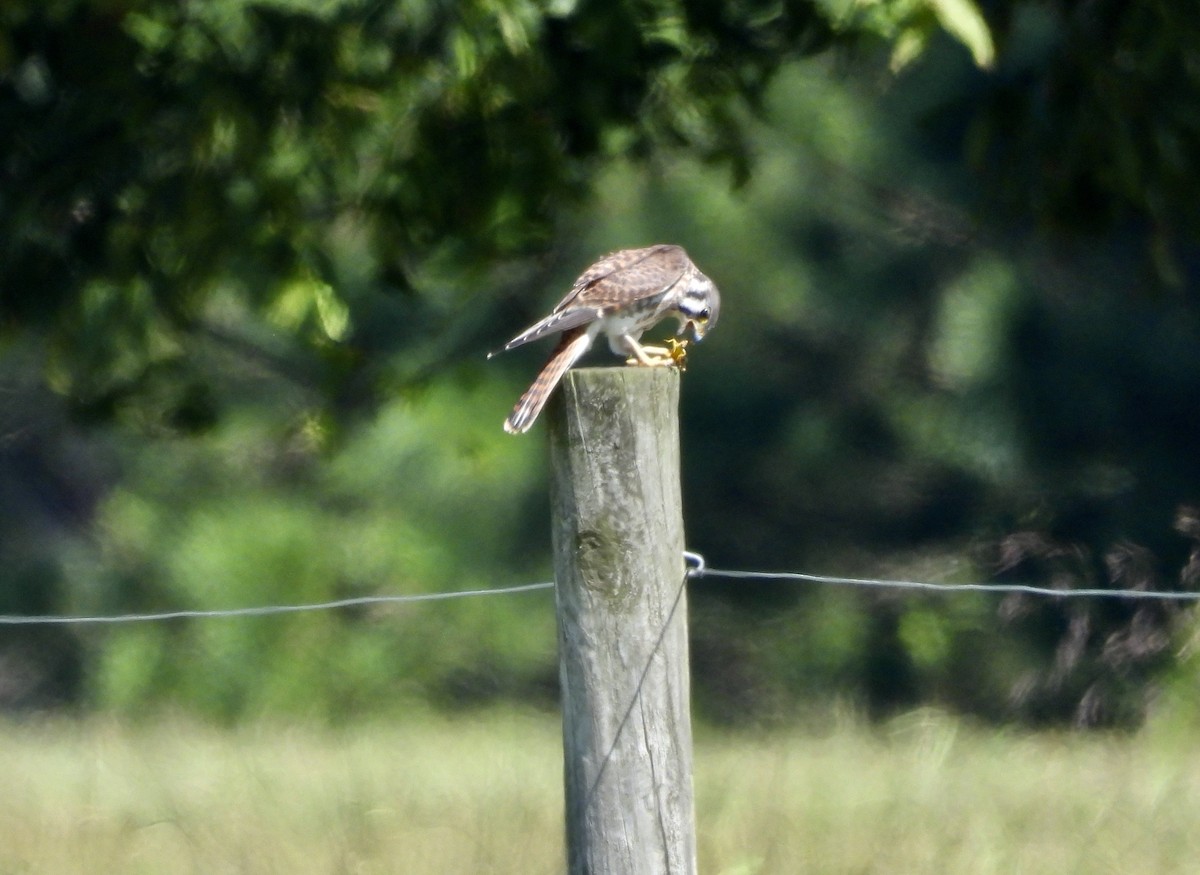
699, 306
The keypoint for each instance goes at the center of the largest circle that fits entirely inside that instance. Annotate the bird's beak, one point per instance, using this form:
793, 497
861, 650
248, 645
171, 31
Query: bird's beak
698, 326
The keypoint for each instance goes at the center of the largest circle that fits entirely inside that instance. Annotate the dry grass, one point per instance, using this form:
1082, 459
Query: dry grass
483, 796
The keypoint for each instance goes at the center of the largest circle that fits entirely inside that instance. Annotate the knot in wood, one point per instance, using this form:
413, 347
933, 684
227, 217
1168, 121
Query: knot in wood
602, 562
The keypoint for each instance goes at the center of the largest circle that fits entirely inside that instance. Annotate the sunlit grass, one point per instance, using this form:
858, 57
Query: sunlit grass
483, 794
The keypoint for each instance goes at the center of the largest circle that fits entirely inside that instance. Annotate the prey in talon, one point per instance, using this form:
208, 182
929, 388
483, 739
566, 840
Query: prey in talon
677, 350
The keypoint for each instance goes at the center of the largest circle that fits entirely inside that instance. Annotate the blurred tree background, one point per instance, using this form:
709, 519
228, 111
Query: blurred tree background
252, 254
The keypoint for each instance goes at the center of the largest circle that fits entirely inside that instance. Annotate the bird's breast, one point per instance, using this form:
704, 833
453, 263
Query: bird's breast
633, 319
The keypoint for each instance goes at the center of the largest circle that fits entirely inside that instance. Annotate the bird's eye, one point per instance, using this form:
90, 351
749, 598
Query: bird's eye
704, 314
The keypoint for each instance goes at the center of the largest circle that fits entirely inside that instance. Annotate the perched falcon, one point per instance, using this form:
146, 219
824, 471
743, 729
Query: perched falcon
621, 295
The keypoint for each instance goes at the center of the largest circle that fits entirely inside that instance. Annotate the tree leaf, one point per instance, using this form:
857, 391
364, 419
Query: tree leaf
963, 20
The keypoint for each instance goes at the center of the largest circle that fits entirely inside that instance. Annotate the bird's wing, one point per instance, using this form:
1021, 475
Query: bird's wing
559, 320
643, 273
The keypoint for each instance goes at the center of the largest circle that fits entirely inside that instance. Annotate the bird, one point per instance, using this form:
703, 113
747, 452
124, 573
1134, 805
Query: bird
621, 295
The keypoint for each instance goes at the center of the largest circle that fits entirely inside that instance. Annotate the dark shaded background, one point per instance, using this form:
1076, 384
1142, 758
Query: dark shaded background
252, 256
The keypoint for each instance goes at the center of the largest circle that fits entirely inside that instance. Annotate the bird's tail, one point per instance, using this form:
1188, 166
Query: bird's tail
569, 349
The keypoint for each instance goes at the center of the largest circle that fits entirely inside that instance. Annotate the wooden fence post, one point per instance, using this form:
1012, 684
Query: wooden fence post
622, 621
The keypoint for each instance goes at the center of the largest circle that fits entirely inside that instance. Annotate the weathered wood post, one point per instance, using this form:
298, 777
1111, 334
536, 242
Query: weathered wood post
622, 623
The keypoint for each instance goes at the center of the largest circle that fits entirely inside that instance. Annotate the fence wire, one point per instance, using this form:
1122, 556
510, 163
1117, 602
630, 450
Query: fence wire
697, 570
947, 588
268, 610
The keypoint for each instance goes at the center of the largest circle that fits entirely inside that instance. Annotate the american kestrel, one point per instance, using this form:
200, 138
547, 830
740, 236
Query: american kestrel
621, 295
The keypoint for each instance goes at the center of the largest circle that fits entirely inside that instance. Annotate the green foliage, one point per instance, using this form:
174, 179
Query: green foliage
304, 155
410, 505
960, 339
910, 24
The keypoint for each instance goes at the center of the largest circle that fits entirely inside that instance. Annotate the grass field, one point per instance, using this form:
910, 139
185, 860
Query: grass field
483, 795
